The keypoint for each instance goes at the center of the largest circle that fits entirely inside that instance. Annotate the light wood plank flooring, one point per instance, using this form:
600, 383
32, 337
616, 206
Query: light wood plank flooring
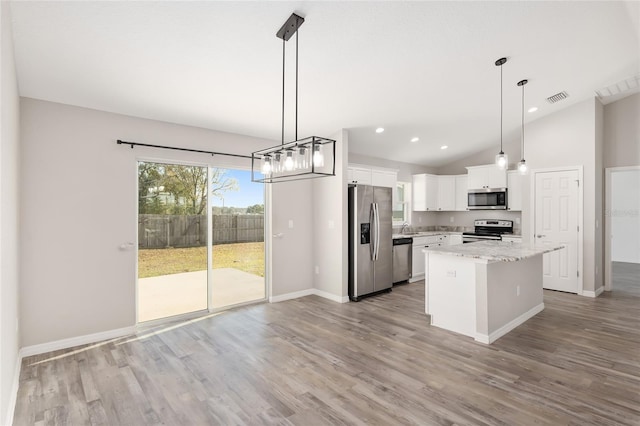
311, 362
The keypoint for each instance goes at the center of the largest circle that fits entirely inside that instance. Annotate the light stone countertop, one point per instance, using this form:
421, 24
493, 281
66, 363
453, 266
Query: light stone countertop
493, 251
425, 234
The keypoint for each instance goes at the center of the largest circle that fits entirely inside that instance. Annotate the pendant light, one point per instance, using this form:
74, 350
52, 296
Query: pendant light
522, 165
306, 158
502, 160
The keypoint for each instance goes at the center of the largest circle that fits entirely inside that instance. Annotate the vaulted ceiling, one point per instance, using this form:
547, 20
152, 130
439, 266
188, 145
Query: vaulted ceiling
418, 69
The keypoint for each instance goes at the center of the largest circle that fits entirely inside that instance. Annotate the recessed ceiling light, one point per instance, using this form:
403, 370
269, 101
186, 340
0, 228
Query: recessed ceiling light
380, 130
532, 109
415, 139
444, 147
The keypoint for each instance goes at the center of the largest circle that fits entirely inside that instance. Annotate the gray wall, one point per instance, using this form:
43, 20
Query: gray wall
330, 226
622, 132
293, 249
9, 208
405, 170
564, 139
486, 156
73, 174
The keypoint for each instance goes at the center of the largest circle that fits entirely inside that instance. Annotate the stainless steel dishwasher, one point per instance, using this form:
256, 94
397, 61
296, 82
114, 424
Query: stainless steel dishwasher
402, 249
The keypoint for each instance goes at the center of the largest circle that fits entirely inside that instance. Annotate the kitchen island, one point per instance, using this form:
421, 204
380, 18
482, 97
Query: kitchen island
483, 289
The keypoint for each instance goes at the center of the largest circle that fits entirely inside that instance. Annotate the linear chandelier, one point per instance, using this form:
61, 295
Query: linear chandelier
306, 158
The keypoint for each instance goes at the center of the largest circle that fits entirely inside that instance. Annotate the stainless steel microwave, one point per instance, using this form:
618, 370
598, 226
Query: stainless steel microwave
487, 199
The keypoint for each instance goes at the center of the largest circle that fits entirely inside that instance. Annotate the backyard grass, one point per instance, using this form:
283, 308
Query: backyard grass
247, 257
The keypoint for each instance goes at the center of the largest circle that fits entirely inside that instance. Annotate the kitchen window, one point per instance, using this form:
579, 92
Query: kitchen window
402, 203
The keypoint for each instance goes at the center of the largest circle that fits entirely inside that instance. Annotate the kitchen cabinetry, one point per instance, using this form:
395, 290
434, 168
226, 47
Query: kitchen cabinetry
461, 193
425, 192
446, 193
364, 175
359, 175
383, 178
417, 258
514, 190
488, 176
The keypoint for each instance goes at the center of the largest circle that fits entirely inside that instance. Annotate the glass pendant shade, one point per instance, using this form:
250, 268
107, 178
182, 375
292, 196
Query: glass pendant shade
502, 160
277, 164
266, 165
318, 156
289, 164
303, 158
523, 169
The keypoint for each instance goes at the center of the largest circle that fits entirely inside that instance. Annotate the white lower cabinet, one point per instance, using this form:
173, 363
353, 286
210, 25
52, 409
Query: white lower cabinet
417, 259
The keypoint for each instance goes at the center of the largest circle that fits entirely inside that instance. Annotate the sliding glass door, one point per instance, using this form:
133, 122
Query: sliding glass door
188, 215
172, 240
237, 238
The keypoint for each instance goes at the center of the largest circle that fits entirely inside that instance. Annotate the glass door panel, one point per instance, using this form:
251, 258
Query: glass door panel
172, 240
237, 238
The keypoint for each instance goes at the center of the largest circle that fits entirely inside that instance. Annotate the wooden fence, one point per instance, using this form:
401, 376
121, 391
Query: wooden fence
162, 231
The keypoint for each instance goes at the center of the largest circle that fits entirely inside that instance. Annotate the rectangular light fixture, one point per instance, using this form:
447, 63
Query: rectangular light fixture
306, 158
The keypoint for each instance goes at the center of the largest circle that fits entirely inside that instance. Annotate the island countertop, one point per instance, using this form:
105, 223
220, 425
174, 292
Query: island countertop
493, 251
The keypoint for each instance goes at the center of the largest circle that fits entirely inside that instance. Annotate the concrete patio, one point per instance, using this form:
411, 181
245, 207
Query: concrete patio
168, 295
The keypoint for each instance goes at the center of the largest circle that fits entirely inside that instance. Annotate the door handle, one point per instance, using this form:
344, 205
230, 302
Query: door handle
540, 236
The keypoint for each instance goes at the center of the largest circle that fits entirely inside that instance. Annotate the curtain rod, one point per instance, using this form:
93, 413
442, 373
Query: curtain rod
132, 144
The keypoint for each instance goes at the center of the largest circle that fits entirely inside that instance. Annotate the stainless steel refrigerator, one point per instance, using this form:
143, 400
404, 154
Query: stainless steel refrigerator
370, 241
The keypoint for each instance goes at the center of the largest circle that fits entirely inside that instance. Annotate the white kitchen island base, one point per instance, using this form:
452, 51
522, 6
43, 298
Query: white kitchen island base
484, 295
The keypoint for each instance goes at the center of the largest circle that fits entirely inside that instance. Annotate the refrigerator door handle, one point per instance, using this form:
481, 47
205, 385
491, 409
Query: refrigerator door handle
372, 241
377, 219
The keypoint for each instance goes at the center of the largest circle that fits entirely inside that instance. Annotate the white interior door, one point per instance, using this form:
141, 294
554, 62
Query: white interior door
556, 222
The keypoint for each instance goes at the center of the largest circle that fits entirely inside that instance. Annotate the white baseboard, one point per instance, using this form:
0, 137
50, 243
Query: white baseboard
76, 341
331, 296
589, 293
487, 339
293, 295
308, 292
13, 398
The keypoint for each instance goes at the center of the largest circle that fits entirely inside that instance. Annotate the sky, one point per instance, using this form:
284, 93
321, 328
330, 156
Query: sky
248, 193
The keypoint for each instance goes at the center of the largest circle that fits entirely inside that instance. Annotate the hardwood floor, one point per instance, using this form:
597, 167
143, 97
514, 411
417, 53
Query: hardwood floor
311, 361
626, 277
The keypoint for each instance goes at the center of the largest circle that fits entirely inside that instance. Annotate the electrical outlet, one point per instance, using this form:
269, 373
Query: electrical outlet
290, 223
517, 290
419, 219
317, 269
451, 274
518, 220
331, 224
451, 219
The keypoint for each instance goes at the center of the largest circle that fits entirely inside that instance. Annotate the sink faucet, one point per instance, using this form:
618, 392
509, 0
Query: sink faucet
404, 227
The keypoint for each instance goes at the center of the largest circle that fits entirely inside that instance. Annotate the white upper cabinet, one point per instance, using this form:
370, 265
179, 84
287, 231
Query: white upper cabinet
425, 192
366, 175
461, 192
439, 193
488, 176
359, 175
446, 193
515, 182
383, 178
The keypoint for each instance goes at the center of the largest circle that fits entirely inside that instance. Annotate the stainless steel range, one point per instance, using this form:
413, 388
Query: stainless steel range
488, 230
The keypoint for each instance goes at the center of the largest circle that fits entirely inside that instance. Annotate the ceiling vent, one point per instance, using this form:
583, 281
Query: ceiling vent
557, 97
